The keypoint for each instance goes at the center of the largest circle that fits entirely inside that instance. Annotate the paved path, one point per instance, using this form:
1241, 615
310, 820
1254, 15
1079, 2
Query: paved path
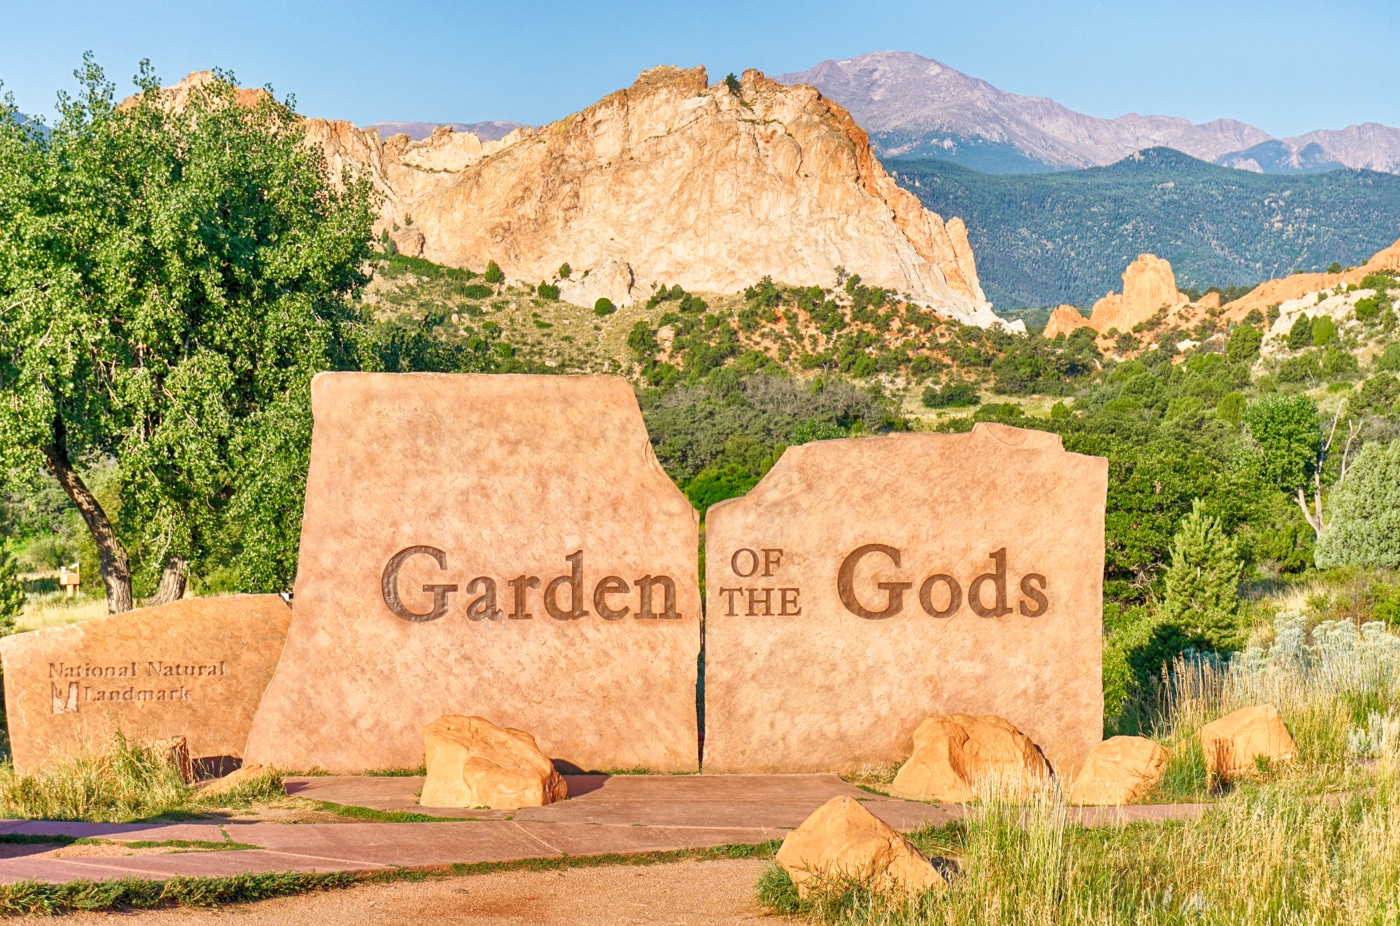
620, 814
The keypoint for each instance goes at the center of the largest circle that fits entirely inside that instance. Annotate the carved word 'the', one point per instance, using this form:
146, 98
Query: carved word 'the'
563, 597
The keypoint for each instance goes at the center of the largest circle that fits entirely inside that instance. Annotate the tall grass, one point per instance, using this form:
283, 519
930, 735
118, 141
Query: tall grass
125, 782
1314, 842
1268, 856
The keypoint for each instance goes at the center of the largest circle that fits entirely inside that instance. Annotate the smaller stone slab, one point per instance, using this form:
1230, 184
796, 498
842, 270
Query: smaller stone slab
194, 669
864, 585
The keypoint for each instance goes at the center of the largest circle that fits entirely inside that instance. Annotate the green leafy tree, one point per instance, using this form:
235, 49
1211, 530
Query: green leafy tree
1288, 432
1364, 529
172, 278
493, 273
11, 592
1202, 583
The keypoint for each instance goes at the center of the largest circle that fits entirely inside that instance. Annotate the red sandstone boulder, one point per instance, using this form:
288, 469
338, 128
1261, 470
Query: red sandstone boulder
1119, 770
953, 752
1233, 743
842, 841
474, 763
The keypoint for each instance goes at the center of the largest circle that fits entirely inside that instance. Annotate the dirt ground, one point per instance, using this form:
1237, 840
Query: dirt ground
689, 893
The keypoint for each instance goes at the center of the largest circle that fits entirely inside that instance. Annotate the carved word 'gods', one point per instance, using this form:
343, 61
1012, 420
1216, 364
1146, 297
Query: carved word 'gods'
563, 597
940, 594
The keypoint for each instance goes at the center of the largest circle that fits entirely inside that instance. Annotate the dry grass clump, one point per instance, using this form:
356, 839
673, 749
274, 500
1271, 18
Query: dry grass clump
53, 610
124, 782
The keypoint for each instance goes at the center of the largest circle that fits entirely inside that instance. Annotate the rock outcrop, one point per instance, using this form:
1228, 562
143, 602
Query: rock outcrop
1119, 770
671, 180
954, 752
842, 841
474, 763
1233, 743
1148, 286
1298, 285
1065, 320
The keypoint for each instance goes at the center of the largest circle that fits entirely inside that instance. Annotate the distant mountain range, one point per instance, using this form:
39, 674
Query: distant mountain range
1050, 238
486, 131
916, 107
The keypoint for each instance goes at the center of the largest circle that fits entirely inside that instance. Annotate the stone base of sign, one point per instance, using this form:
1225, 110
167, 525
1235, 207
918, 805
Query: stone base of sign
505, 547
864, 585
194, 669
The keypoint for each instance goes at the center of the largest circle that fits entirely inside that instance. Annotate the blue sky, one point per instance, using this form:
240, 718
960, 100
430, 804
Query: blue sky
1286, 66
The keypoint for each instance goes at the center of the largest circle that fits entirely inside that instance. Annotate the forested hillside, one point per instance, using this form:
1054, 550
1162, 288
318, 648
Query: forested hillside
1046, 239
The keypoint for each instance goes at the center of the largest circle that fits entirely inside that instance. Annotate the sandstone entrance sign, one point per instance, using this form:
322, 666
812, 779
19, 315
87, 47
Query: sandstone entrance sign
865, 585
504, 547
194, 668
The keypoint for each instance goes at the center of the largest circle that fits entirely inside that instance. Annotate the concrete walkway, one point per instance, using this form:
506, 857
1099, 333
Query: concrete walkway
619, 814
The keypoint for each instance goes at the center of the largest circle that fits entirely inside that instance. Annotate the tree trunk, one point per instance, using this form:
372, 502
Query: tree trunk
111, 556
172, 581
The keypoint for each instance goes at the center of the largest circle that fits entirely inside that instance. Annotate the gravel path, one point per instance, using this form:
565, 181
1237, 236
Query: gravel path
689, 893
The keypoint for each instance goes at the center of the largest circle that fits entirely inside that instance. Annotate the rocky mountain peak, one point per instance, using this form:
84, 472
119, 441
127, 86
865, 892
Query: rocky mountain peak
676, 181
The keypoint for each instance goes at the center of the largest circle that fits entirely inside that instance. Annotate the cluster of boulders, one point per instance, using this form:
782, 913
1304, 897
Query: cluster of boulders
955, 755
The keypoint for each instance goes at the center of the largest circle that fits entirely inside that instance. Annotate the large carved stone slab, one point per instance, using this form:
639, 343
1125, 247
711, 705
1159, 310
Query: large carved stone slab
864, 585
195, 668
504, 547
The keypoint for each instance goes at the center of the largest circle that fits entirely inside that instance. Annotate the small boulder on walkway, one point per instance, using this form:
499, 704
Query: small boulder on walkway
952, 752
842, 841
1233, 743
1119, 770
234, 779
474, 763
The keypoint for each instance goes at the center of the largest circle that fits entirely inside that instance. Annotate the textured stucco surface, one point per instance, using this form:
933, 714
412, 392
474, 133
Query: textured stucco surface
827, 690
506, 476
194, 668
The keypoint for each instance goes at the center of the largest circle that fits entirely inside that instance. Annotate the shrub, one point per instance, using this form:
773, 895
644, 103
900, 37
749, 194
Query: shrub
476, 291
641, 341
716, 483
1389, 359
1244, 343
1379, 393
548, 291
603, 306
1299, 336
493, 273
1203, 581
1338, 363
1365, 527
11, 592
1368, 309
1324, 331
565, 270
952, 395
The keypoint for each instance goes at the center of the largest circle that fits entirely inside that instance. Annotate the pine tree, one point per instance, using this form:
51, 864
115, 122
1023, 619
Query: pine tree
1203, 597
11, 592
